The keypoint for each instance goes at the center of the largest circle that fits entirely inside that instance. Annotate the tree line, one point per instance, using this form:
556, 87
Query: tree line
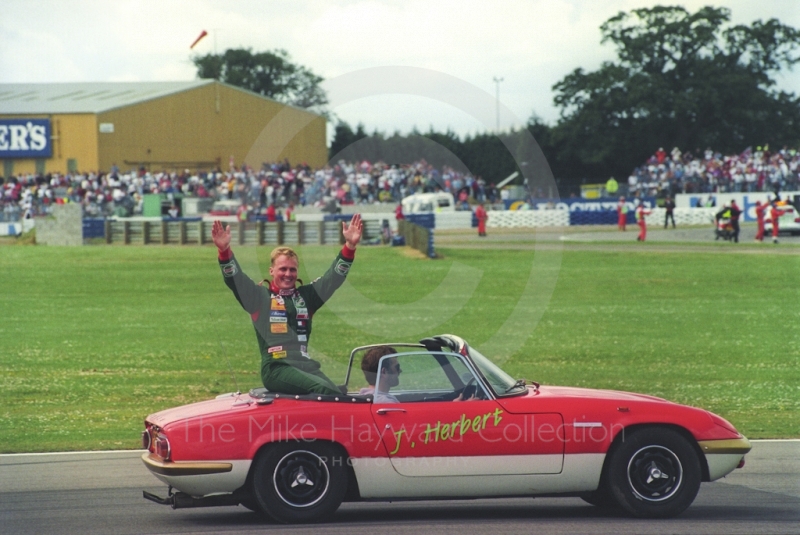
684, 79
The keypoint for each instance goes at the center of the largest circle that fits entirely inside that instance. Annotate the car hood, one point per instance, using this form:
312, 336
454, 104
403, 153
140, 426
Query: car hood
572, 401
615, 395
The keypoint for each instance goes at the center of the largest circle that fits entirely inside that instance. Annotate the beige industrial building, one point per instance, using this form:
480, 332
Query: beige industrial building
198, 125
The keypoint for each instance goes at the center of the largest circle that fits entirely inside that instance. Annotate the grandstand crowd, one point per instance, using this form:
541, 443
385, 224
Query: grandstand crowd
709, 171
116, 193
280, 184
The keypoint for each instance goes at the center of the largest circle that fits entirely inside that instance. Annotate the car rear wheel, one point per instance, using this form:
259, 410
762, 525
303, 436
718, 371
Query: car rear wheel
654, 473
295, 482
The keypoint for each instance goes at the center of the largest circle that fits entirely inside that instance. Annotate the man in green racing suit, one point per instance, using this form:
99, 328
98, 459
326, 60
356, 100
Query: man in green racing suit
282, 312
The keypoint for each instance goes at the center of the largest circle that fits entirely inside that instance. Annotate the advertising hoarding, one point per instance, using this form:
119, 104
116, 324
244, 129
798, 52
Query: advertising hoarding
25, 138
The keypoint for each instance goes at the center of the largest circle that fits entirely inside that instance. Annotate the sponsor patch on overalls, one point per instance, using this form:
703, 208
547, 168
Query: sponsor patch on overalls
342, 267
229, 269
277, 305
279, 355
278, 328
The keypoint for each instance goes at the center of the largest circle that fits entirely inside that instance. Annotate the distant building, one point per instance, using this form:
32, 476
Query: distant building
199, 125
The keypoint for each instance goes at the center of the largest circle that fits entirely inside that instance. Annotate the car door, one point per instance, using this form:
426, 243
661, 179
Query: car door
427, 433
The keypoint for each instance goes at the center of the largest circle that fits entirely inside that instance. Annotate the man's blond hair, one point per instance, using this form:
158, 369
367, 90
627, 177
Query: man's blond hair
282, 251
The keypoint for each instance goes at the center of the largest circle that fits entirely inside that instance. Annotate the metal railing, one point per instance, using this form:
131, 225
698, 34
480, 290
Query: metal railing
168, 232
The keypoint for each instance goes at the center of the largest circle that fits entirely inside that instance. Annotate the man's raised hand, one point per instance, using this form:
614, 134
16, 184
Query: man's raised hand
351, 232
221, 236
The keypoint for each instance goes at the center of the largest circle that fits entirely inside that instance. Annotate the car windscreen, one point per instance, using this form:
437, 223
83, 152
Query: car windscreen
502, 383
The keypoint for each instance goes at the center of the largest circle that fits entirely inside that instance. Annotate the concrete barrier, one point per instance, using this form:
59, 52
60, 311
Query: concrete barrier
63, 227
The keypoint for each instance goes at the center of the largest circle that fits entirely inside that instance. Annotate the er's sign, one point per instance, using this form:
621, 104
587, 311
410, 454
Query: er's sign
25, 138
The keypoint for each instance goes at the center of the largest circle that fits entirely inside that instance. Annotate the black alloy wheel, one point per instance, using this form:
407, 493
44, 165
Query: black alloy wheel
296, 482
654, 473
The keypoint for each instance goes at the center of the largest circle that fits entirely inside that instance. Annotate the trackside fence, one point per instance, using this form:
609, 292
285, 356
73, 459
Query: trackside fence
198, 232
417, 229
417, 236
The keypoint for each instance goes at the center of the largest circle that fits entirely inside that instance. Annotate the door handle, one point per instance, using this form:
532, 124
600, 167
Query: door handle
390, 409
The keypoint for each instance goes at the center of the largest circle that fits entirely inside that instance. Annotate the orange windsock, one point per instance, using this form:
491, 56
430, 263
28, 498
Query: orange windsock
202, 34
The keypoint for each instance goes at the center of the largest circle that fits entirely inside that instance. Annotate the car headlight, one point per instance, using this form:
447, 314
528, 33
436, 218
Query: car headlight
722, 422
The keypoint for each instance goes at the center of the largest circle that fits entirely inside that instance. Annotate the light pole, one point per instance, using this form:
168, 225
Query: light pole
497, 95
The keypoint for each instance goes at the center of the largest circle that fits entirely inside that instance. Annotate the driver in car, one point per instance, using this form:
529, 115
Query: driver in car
389, 377
282, 311
390, 374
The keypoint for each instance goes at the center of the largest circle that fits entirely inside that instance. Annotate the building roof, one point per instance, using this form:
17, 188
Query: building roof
85, 97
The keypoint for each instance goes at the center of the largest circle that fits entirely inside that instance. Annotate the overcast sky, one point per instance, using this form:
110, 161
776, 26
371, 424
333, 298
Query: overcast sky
530, 44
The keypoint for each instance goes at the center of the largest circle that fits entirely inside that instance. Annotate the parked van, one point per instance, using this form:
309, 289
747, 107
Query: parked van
422, 203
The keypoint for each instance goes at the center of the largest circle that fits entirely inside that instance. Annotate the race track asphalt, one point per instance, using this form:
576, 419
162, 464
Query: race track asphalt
101, 492
609, 234
87, 493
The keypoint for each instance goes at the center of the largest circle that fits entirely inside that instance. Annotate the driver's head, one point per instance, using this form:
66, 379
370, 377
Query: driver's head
283, 267
369, 364
390, 374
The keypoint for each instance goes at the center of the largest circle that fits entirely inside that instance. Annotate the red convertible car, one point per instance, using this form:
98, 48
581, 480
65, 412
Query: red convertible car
445, 423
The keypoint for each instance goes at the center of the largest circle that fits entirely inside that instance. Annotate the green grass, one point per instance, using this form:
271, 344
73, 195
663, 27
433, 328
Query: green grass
93, 339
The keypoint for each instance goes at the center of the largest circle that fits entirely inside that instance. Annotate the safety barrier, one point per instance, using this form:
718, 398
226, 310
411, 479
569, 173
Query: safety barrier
94, 228
424, 220
10, 229
329, 231
417, 236
563, 218
372, 222
458, 219
198, 232
528, 218
683, 216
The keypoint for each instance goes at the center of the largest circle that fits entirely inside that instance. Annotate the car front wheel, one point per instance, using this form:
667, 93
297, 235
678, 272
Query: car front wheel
654, 473
295, 482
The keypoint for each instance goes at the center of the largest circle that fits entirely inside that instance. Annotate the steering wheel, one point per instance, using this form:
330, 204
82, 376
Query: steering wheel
470, 390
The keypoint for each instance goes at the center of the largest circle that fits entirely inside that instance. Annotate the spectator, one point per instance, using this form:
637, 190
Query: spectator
611, 187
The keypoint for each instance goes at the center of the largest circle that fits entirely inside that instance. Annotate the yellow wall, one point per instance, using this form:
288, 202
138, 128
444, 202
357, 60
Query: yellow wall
74, 137
184, 130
